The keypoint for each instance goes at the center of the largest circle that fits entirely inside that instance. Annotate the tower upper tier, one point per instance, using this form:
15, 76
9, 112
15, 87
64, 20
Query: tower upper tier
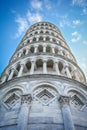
43, 50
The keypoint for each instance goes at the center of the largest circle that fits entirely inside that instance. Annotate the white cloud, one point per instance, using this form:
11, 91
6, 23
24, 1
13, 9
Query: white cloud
22, 25
75, 33
64, 22
84, 11
36, 4
76, 37
33, 17
76, 22
78, 2
48, 4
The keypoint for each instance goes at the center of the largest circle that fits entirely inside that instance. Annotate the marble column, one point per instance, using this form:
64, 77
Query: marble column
20, 53
11, 74
27, 51
24, 111
53, 51
36, 49
44, 48
4, 78
56, 68
76, 75
45, 67
21, 70
67, 71
60, 52
32, 67
66, 113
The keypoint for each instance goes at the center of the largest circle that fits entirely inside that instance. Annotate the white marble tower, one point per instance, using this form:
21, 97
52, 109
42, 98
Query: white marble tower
43, 88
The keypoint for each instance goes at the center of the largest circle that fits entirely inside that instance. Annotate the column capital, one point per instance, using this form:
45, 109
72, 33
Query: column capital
26, 99
44, 60
64, 100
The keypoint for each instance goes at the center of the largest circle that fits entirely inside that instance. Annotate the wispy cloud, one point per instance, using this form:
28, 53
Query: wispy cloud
48, 4
78, 2
76, 37
84, 11
33, 17
76, 22
22, 25
64, 22
36, 4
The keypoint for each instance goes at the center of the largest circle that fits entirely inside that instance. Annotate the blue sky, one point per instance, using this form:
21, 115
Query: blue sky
70, 16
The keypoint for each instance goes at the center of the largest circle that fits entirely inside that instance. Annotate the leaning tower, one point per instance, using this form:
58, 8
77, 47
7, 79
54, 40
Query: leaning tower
43, 88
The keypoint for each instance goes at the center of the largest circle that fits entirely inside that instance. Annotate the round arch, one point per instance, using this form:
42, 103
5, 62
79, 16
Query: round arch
52, 86
79, 91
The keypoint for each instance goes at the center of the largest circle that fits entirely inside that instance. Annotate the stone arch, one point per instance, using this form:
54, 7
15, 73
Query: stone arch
39, 66
46, 83
28, 41
27, 67
40, 48
48, 49
64, 53
52, 33
31, 34
56, 50
60, 66
78, 100
18, 67
80, 91
54, 40
47, 39
41, 38
32, 49
41, 32
11, 98
36, 32
47, 32
24, 52
45, 94
50, 66
34, 39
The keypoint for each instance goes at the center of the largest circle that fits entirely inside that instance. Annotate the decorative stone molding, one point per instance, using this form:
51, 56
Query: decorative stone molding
64, 100
26, 99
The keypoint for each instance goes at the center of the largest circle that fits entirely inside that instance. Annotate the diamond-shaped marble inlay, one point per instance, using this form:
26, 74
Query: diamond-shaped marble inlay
45, 96
11, 100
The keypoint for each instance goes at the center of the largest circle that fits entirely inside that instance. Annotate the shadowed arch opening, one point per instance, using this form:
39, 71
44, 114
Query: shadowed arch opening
77, 99
60, 65
32, 49
34, 39
50, 67
27, 67
39, 66
48, 49
40, 48
11, 98
40, 38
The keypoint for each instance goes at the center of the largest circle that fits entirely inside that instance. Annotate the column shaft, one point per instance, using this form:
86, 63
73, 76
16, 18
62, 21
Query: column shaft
68, 72
24, 112
32, 67
67, 117
21, 70
56, 68
11, 74
44, 67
